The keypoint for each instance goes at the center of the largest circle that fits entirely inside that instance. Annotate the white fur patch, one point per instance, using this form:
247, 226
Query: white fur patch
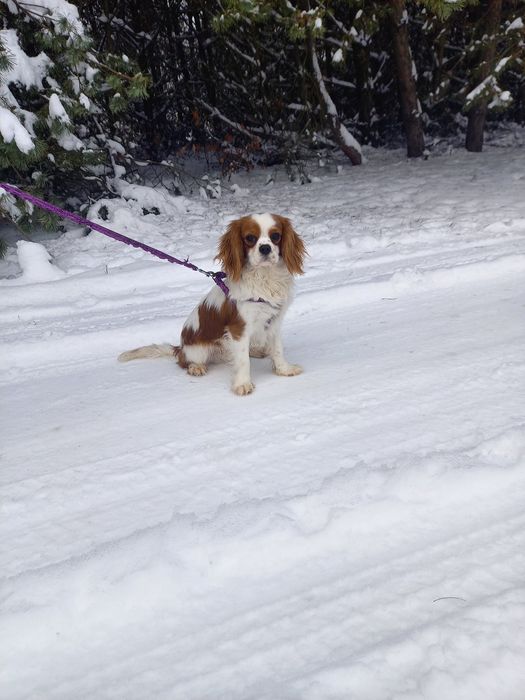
274, 284
265, 222
215, 298
193, 320
197, 354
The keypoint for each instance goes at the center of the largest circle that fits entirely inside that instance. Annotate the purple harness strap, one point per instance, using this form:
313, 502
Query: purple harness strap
217, 277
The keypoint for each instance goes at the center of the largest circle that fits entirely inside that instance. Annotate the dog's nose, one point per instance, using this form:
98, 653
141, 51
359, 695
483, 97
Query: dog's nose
265, 249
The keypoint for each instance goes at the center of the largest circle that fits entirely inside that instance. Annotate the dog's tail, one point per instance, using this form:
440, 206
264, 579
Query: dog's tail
150, 352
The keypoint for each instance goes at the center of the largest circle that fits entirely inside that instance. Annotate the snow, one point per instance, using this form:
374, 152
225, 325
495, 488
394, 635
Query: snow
479, 89
70, 142
84, 101
28, 71
57, 111
25, 71
345, 135
501, 99
66, 139
12, 128
516, 25
35, 263
501, 64
56, 10
354, 532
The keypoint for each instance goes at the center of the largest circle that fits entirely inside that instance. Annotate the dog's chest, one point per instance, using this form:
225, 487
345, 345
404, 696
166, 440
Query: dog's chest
259, 315
262, 296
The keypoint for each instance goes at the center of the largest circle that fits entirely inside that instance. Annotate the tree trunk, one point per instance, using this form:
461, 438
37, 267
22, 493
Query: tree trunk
410, 107
361, 56
478, 112
346, 142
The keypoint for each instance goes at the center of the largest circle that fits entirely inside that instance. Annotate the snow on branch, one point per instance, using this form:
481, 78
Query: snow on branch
64, 15
28, 71
348, 144
12, 128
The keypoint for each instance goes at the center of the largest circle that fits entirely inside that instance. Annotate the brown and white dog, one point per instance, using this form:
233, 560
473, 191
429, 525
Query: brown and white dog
260, 254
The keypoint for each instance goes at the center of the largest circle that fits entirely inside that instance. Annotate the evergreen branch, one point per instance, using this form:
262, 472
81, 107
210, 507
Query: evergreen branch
116, 73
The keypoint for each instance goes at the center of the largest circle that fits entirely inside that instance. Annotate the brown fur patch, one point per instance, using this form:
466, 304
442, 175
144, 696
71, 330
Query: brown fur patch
293, 250
213, 324
231, 253
181, 359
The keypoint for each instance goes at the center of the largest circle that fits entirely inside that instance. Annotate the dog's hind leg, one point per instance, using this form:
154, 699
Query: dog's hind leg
194, 358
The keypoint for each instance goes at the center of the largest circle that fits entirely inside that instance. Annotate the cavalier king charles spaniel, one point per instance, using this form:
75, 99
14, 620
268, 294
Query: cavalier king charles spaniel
260, 254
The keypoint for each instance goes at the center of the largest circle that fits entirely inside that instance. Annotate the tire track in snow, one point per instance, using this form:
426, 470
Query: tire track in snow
161, 473
338, 620
159, 478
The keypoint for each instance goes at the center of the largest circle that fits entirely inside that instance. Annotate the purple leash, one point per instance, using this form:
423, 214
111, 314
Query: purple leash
217, 277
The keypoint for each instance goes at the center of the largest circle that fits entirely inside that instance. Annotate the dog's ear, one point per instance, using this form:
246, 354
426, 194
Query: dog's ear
231, 251
293, 250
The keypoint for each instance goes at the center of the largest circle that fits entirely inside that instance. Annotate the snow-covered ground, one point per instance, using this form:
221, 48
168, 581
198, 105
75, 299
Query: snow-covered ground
357, 532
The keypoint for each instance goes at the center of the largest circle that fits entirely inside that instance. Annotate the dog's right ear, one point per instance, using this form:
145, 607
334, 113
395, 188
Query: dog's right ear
231, 251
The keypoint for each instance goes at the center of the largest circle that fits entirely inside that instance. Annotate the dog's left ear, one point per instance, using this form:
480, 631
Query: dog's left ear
293, 250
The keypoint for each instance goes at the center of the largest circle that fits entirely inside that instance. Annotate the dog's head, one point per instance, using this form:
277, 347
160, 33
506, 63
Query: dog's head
260, 240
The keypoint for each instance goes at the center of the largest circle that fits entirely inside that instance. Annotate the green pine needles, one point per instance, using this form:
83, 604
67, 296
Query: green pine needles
59, 101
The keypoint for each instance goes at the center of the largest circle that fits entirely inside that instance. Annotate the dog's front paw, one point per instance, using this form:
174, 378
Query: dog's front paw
288, 370
197, 370
243, 389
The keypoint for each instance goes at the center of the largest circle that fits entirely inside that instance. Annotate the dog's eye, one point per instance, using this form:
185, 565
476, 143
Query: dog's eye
251, 239
275, 237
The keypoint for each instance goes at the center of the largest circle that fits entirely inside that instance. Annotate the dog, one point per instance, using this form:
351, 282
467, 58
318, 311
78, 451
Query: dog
260, 255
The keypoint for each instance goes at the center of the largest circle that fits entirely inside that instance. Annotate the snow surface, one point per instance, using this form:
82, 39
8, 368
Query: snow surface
357, 532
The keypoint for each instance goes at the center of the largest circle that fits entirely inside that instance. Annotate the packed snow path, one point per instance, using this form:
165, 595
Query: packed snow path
354, 532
